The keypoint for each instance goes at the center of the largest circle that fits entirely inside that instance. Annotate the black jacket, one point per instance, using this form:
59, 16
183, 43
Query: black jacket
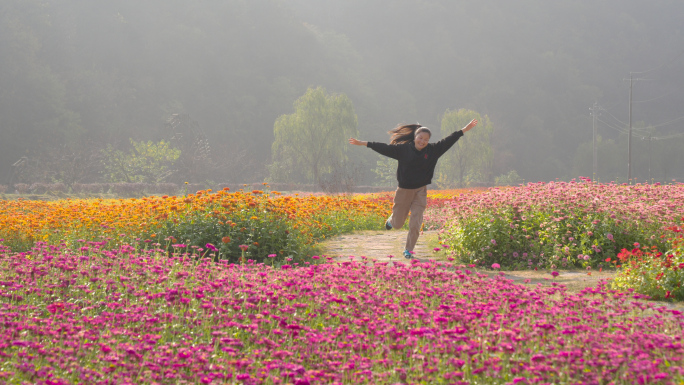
416, 168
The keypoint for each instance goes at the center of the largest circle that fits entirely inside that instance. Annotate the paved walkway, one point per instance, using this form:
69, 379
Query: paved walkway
378, 245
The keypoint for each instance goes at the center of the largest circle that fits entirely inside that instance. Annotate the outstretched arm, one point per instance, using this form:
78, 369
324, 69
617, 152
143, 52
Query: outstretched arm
391, 151
445, 144
357, 142
470, 125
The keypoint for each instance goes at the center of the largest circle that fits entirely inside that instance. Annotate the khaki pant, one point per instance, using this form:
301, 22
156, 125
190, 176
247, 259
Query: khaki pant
405, 201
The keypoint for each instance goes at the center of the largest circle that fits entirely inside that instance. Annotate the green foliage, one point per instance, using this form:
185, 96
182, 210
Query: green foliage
659, 275
35, 111
264, 234
263, 231
146, 162
386, 171
565, 238
314, 137
472, 158
114, 72
510, 179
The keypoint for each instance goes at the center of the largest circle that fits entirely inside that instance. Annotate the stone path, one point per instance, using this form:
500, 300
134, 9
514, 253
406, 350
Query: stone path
379, 245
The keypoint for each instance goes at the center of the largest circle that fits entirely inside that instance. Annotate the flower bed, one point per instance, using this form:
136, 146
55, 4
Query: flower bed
125, 315
557, 225
272, 221
648, 271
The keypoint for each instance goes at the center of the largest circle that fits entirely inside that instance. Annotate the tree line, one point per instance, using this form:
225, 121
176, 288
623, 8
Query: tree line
211, 88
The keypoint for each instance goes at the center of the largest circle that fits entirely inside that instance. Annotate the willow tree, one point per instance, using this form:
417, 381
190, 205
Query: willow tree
313, 139
471, 159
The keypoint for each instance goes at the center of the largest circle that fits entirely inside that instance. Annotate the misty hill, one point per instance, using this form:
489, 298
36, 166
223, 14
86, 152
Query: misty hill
78, 75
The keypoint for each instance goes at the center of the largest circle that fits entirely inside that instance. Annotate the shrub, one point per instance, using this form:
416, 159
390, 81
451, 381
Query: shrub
263, 233
3, 188
558, 225
647, 271
510, 179
128, 189
57, 187
564, 238
164, 188
90, 188
22, 188
39, 188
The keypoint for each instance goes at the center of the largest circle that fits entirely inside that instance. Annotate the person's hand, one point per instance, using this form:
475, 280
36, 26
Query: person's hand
357, 142
470, 125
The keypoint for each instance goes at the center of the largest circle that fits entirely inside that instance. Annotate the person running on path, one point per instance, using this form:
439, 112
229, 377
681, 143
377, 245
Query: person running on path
417, 158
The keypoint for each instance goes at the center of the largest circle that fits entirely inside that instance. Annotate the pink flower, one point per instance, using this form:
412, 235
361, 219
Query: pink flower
609, 236
243, 247
494, 242
275, 255
496, 266
436, 249
554, 274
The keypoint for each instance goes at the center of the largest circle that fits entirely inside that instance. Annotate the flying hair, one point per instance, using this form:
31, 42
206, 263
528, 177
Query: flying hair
406, 133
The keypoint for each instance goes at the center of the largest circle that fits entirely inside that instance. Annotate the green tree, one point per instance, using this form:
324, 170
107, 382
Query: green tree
386, 171
471, 160
312, 139
146, 162
34, 114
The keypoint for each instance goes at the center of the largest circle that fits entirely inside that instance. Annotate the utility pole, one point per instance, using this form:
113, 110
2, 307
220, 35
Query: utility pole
650, 137
594, 110
629, 139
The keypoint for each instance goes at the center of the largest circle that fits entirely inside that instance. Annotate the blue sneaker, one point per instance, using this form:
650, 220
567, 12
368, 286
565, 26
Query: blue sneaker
407, 254
388, 225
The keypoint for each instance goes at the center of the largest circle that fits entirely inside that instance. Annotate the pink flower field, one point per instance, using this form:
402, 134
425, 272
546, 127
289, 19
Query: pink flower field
557, 224
136, 316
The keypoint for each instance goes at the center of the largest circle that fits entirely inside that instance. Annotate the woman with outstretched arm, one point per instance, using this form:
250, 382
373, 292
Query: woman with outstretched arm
410, 145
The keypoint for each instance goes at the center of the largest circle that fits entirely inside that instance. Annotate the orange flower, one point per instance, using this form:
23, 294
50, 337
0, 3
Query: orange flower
225, 239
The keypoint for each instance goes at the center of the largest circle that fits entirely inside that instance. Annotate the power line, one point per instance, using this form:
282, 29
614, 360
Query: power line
623, 123
672, 136
650, 100
624, 131
644, 128
610, 125
668, 123
613, 116
618, 129
660, 66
